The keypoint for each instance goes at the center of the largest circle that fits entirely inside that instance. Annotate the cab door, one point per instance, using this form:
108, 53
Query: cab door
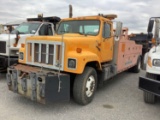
107, 42
46, 30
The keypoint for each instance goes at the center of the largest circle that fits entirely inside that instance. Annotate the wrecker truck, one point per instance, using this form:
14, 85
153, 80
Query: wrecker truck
85, 52
150, 84
145, 41
10, 43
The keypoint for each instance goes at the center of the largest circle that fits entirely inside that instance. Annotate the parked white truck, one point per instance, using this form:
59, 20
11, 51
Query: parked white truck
151, 83
10, 43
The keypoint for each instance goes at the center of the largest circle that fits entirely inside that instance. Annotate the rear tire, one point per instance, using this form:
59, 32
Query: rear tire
85, 85
137, 67
149, 97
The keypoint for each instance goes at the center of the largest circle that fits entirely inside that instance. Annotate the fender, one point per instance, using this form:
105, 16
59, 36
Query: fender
81, 60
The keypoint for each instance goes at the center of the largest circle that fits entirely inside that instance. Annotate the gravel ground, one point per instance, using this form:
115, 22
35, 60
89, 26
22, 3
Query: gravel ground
119, 99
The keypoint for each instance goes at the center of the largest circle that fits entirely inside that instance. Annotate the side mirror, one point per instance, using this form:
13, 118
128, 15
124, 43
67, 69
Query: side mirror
118, 29
150, 26
150, 35
157, 26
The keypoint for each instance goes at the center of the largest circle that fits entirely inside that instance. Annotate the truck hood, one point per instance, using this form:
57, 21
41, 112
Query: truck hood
155, 52
5, 37
66, 37
75, 35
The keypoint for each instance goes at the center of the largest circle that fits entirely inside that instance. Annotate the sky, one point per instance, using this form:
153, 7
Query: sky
134, 14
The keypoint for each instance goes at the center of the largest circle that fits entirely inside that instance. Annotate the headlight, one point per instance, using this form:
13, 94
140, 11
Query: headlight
156, 62
21, 56
71, 63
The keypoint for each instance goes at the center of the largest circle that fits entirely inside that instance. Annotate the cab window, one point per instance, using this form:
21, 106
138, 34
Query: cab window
46, 29
106, 30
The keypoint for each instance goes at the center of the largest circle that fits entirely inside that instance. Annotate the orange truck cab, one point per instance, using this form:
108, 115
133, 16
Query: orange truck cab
85, 52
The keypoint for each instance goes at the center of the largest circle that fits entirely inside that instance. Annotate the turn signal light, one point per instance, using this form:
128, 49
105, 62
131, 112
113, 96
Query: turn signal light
149, 62
22, 45
79, 50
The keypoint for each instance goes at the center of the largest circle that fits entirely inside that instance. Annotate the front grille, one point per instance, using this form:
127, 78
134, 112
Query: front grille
2, 47
43, 54
49, 55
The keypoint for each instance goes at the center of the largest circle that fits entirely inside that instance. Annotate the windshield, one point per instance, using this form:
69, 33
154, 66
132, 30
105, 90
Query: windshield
85, 27
27, 28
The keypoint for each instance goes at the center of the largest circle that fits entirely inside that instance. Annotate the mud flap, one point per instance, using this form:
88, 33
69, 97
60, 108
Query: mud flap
57, 88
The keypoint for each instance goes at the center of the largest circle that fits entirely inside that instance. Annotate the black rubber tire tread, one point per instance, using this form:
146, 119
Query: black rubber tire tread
143, 65
79, 88
135, 69
149, 97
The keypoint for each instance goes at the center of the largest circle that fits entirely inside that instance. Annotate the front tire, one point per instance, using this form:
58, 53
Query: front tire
85, 85
149, 97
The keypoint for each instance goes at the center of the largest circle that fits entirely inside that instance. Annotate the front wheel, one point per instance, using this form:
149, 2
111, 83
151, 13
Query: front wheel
85, 85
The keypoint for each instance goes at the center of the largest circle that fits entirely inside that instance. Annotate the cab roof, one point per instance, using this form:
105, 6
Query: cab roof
99, 16
53, 19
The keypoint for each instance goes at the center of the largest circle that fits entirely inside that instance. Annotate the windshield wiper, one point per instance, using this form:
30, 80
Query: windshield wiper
81, 33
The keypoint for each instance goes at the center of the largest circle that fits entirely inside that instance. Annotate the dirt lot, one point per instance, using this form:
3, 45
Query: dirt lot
119, 99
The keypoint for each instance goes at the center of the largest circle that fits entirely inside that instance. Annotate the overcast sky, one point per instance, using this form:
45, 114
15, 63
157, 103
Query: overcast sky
133, 13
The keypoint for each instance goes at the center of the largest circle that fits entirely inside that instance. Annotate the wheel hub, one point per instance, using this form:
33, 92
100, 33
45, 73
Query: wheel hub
90, 86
